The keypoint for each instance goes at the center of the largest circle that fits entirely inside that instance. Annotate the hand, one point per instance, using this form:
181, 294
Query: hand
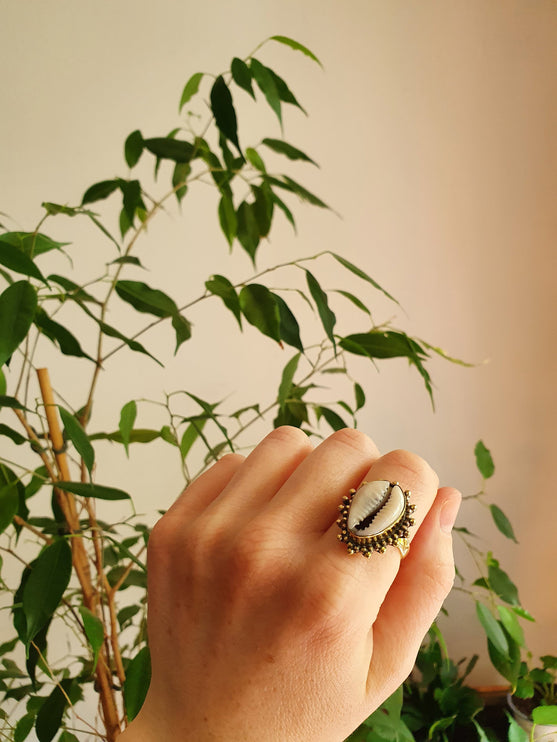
261, 625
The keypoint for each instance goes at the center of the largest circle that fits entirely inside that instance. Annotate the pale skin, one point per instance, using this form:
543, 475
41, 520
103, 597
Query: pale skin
261, 625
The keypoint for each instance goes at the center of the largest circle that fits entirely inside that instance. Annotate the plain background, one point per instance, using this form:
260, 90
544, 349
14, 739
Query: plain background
434, 125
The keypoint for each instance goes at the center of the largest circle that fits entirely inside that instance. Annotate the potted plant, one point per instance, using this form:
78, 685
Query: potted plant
71, 565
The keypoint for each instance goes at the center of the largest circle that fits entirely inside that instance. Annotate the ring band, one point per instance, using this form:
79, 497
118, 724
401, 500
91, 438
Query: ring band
376, 515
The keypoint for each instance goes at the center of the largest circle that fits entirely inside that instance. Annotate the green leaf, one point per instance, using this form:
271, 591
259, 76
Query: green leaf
492, 628
73, 290
51, 712
67, 737
179, 178
335, 421
190, 89
182, 328
376, 344
263, 208
359, 395
220, 286
287, 379
266, 83
510, 622
31, 244
23, 727
3, 384
127, 260
484, 462
516, 732
261, 310
283, 148
139, 435
549, 662
545, 715
60, 335
291, 185
9, 496
297, 46
284, 92
94, 631
191, 434
501, 583
18, 304
223, 111
482, 736
354, 299
227, 218
136, 685
242, 76
361, 274
78, 437
286, 211
45, 586
100, 191
128, 414
133, 148
169, 148
11, 257
502, 522
247, 229
86, 489
145, 299
132, 201
289, 327
16, 437
254, 158
327, 316
12, 402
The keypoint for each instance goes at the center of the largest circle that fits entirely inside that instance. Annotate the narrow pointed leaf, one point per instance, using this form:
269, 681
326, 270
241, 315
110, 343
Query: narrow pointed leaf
359, 395
60, 335
354, 299
190, 435
247, 229
78, 437
31, 244
136, 685
501, 583
9, 496
16, 437
484, 461
18, 304
16, 260
128, 414
297, 46
502, 522
227, 218
100, 191
284, 92
510, 622
190, 89
335, 421
267, 85
145, 299
283, 148
51, 713
291, 185
361, 274
220, 286
223, 111
94, 630
242, 76
492, 628
285, 210
46, 584
169, 148
327, 316
287, 379
86, 489
262, 208
182, 328
289, 327
254, 158
133, 148
261, 310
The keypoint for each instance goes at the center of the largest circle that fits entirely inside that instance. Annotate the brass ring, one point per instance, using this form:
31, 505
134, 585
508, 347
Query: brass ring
376, 515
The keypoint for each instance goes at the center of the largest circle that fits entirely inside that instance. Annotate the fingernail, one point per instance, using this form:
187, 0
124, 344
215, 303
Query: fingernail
448, 514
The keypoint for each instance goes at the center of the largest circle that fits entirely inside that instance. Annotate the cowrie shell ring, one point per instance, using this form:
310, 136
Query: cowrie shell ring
376, 515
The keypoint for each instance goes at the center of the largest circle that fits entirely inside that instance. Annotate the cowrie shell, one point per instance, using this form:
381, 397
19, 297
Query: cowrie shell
376, 515
376, 506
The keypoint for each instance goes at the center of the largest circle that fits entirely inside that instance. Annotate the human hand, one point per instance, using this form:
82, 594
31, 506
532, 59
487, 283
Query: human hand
261, 625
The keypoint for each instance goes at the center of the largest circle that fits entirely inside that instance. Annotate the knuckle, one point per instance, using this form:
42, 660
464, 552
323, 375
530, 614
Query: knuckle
354, 440
289, 435
417, 468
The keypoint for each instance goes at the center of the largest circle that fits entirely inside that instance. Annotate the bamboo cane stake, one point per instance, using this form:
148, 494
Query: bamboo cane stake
79, 553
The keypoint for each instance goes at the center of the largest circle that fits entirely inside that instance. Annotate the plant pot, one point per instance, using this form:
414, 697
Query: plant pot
542, 732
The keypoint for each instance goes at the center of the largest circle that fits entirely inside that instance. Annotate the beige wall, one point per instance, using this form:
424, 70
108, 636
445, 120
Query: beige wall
434, 124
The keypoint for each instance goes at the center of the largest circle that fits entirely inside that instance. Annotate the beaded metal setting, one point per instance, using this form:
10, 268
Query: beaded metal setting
376, 515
